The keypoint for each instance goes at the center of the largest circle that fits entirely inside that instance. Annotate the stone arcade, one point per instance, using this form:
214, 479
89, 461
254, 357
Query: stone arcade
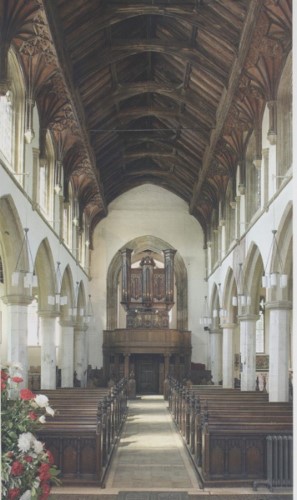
146, 207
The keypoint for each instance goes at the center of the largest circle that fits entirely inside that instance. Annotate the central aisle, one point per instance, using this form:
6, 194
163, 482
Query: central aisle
150, 453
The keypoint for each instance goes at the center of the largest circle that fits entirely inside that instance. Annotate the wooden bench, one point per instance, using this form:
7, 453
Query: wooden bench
226, 430
84, 431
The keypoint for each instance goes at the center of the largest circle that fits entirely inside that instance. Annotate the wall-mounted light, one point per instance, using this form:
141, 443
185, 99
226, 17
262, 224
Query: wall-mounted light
20, 276
57, 299
89, 311
30, 103
242, 299
276, 277
205, 319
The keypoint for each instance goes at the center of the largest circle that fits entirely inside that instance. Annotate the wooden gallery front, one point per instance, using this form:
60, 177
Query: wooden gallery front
147, 348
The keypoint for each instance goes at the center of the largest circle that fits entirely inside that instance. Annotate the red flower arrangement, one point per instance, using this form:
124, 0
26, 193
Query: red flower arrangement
28, 469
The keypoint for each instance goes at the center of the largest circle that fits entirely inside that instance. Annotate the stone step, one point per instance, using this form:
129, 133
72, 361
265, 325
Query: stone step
213, 494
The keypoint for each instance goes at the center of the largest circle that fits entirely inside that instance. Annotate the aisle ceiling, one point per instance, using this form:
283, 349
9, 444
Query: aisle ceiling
150, 91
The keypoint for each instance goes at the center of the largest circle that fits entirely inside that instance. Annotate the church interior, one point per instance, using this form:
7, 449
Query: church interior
146, 213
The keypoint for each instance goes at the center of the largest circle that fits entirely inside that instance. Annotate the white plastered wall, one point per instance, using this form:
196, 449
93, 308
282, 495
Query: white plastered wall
149, 210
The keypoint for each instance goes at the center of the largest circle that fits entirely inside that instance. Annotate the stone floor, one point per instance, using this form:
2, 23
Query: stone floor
152, 463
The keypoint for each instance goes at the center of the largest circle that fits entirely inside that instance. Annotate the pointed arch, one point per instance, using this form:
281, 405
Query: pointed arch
67, 289
284, 238
252, 276
45, 270
11, 238
229, 291
156, 245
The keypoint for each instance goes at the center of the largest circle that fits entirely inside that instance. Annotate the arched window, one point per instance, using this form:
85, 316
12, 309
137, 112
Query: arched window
253, 181
12, 119
214, 238
230, 215
46, 180
284, 122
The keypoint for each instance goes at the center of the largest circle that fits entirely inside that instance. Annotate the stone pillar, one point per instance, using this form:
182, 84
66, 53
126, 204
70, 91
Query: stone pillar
216, 354
279, 334
166, 364
116, 366
242, 208
222, 233
228, 356
48, 350
126, 366
17, 332
67, 353
248, 351
80, 353
209, 260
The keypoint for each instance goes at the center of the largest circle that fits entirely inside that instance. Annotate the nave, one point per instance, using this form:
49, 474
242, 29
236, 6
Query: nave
151, 462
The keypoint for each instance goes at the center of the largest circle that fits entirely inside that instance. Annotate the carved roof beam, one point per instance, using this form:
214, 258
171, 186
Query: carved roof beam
181, 12
264, 69
254, 9
237, 141
251, 110
186, 122
202, 109
15, 25
113, 69
63, 60
123, 48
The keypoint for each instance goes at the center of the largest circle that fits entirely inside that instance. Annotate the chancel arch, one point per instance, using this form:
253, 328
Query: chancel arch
150, 346
138, 246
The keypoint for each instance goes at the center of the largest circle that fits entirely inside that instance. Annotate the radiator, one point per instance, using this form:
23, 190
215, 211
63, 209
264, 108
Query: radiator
279, 449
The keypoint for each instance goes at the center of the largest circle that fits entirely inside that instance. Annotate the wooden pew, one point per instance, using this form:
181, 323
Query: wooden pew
84, 431
226, 430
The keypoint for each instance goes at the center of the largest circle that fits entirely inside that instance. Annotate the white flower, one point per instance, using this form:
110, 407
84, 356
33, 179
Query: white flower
25, 440
36, 483
15, 365
41, 400
26, 495
38, 446
50, 410
42, 419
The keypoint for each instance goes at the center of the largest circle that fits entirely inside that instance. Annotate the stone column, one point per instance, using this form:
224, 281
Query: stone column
126, 366
248, 351
48, 349
228, 356
166, 364
279, 334
80, 353
17, 332
67, 353
215, 336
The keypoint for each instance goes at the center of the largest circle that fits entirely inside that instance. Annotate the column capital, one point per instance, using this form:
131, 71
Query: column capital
67, 322
48, 314
229, 326
248, 317
279, 304
218, 331
78, 328
17, 299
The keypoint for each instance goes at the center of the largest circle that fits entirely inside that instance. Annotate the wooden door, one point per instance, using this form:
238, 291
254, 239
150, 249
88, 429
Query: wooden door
147, 374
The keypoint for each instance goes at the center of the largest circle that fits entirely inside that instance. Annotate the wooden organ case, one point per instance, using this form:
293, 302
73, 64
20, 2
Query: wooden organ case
147, 348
